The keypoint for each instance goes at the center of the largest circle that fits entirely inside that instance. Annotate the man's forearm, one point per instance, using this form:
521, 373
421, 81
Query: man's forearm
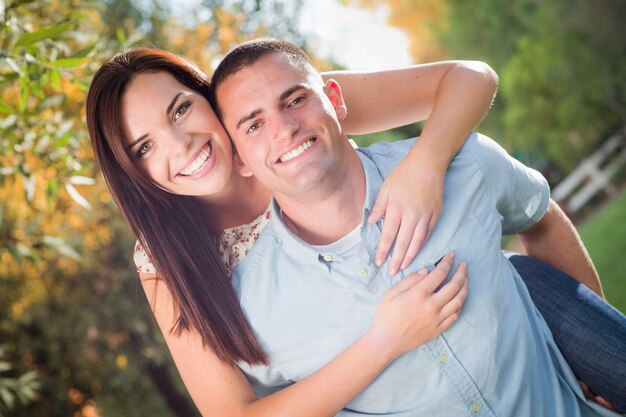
554, 240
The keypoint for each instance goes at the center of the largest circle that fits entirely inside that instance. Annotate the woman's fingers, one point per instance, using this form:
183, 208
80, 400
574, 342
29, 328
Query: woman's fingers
404, 239
458, 291
604, 403
408, 282
438, 275
420, 235
388, 235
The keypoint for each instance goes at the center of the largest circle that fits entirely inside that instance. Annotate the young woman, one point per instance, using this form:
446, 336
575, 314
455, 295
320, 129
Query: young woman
195, 217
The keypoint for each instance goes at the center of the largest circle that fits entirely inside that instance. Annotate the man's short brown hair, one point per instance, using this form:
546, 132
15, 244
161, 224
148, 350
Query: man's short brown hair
248, 53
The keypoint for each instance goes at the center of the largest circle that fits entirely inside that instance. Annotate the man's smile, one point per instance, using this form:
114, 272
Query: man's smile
294, 153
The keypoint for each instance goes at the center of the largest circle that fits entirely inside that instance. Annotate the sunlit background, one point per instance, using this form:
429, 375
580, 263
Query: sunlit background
76, 336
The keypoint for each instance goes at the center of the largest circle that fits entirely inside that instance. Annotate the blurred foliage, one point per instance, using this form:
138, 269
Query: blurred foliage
562, 77
16, 390
77, 335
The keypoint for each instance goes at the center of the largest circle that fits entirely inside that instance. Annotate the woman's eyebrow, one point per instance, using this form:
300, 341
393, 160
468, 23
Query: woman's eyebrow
136, 141
172, 103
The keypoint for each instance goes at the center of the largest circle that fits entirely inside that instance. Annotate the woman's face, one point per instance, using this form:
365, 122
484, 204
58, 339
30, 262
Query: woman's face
174, 135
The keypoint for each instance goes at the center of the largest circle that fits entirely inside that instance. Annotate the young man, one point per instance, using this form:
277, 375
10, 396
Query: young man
310, 286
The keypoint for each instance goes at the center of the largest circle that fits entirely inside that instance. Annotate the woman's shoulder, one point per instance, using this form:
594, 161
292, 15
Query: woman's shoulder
236, 242
143, 263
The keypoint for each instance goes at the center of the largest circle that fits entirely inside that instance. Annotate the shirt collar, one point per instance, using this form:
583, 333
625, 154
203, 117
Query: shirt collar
298, 247
373, 181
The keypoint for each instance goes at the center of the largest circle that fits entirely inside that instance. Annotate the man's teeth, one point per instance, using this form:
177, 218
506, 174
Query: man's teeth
296, 152
199, 163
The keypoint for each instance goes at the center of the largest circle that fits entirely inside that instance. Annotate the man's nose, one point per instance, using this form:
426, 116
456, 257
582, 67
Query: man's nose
287, 127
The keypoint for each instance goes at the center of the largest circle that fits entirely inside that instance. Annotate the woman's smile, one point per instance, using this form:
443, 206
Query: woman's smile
201, 164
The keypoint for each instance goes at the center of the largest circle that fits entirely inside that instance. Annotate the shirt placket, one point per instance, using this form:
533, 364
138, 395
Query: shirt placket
352, 269
451, 369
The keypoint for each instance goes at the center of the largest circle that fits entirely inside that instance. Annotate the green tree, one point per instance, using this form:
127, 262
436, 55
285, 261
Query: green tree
561, 65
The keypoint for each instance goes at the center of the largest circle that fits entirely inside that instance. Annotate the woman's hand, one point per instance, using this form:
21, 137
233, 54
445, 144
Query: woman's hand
410, 200
591, 396
412, 312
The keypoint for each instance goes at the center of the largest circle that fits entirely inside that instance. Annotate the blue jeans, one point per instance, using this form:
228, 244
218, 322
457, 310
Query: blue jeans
590, 333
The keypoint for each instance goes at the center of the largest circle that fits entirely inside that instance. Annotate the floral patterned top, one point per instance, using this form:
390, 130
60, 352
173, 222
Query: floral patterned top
234, 244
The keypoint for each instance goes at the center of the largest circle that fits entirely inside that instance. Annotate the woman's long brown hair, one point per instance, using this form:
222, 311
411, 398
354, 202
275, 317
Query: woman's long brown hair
174, 229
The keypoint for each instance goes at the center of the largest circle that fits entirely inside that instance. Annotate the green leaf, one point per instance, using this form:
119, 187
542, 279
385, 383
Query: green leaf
55, 79
23, 250
85, 51
29, 187
5, 109
82, 180
28, 377
7, 397
52, 190
76, 196
25, 90
82, 84
63, 140
67, 62
60, 245
14, 66
45, 33
121, 36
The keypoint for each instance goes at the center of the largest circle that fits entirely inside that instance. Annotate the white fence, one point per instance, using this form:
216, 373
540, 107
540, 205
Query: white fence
593, 175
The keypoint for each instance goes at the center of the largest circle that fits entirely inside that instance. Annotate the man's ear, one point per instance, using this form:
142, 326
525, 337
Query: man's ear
333, 91
240, 166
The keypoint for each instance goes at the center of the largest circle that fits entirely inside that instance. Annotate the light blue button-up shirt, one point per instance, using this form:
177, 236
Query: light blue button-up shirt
498, 359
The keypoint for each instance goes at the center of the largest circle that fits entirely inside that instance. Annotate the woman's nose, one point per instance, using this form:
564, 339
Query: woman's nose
180, 143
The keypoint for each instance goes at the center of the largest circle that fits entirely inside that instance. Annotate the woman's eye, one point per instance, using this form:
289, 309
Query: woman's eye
143, 149
182, 109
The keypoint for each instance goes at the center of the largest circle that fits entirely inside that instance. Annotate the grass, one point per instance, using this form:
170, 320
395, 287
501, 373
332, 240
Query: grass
604, 234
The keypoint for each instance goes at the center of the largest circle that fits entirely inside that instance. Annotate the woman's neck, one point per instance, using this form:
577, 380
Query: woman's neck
241, 201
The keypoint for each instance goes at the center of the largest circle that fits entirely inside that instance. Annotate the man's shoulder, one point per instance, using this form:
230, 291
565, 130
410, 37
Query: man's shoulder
388, 149
384, 156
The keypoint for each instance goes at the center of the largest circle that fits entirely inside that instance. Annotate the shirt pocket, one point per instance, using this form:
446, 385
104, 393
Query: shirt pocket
478, 245
487, 292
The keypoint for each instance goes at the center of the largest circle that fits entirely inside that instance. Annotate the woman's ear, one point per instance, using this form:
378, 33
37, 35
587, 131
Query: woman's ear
240, 166
333, 91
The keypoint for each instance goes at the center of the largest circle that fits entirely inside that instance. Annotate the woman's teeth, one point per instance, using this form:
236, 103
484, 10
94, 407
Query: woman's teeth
297, 152
199, 163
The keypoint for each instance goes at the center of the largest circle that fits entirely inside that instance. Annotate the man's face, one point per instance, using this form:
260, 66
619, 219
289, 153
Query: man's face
284, 124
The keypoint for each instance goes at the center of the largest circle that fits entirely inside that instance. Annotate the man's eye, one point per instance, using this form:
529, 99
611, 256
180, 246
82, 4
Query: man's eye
182, 109
143, 149
296, 100
253, 127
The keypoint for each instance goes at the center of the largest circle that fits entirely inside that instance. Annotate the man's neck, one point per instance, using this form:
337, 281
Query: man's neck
332, 211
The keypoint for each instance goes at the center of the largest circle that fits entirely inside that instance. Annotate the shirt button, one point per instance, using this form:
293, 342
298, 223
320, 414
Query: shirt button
328, 258
443, 358
475, 407
362, 273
